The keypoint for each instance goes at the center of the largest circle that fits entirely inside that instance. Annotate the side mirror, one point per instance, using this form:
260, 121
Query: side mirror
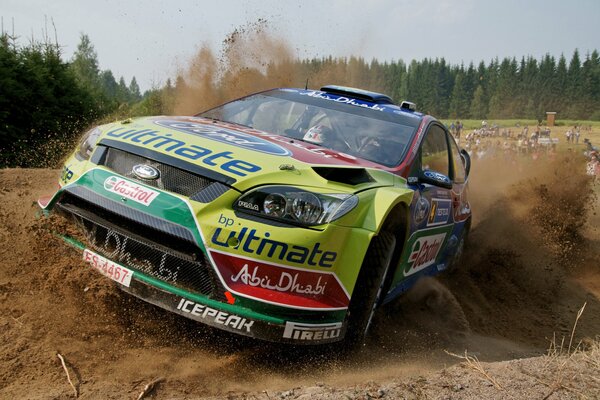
466, 159
435, 178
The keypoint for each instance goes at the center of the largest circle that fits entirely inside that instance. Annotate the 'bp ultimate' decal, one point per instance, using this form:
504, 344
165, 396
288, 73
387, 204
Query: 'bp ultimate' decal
248, 241
224, 135
423, 249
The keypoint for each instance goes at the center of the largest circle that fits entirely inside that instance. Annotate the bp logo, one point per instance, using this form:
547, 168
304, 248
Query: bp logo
228, 136
424, 252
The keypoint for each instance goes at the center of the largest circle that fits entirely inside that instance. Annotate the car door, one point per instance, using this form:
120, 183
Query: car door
431, 221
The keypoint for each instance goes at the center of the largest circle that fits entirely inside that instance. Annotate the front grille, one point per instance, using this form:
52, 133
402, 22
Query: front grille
171, 178
185, 268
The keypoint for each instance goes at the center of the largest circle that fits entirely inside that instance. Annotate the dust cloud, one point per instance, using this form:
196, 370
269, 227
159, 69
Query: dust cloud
253, 59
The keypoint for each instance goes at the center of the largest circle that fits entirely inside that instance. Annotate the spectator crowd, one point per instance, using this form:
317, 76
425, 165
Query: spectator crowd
512, 144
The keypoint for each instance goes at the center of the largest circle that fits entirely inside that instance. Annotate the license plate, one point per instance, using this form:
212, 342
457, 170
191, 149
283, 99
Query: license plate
106, 267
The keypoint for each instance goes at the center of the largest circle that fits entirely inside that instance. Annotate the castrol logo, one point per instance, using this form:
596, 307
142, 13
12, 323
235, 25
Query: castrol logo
129, 190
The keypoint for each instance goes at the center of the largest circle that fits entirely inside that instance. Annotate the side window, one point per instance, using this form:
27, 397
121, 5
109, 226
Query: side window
434, 151
458, 168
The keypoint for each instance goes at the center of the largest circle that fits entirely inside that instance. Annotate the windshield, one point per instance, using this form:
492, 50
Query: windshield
363, 133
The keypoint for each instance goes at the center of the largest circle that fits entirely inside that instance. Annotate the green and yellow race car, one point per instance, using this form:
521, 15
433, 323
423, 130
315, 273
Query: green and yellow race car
288, 215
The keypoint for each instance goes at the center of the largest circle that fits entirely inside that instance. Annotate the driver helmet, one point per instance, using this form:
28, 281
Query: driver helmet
318, 134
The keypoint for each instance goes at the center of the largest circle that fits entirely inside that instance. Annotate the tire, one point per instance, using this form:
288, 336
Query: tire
367, 293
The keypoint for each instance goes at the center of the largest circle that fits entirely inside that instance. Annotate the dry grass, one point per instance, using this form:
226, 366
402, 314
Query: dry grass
564, 365
474, 363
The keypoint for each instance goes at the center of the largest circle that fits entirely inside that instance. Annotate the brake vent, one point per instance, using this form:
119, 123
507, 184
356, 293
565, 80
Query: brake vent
349, 176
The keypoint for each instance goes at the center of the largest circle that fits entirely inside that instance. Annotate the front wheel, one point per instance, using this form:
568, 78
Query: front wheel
369, 286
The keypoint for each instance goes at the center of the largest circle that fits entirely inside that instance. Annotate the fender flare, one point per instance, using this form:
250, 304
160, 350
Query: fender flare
382, 201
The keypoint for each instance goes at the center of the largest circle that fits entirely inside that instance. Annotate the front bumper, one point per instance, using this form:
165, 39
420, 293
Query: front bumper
192, 266
238, 321
228, 317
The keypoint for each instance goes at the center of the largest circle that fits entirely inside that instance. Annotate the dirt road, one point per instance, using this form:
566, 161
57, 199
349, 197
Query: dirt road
532, 264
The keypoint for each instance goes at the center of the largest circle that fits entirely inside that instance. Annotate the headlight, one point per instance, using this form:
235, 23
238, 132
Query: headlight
87, 144
295, 205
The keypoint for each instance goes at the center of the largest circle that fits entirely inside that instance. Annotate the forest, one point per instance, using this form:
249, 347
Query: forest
46, 101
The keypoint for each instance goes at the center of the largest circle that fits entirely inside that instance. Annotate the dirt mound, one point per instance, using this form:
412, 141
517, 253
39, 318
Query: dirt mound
530, 266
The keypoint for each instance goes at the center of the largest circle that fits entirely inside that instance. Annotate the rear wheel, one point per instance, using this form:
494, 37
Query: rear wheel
368, 291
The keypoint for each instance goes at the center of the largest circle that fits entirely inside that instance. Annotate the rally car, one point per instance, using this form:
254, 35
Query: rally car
288, 215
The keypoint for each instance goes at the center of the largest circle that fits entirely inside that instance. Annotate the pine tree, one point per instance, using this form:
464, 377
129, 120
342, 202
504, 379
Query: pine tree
122, 92
459, 103
134, 91
592, 84
575, 90
478, 104
108, 84
85, 64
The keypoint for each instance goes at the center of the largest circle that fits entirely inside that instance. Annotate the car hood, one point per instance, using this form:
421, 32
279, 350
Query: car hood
245, 156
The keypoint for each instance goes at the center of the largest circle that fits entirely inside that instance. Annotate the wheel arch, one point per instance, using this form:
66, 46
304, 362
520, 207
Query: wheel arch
388, 211
397, 222
384, 204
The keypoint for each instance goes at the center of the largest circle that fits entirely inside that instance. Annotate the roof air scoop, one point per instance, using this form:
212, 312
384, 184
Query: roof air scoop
407, 105
358, 94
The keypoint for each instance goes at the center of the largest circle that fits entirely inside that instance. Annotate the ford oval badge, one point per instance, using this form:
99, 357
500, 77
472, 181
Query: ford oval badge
144, 171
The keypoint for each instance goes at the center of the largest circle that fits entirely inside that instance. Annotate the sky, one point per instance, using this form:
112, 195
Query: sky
151, 39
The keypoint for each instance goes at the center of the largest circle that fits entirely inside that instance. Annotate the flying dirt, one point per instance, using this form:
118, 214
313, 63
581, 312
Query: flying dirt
530, 266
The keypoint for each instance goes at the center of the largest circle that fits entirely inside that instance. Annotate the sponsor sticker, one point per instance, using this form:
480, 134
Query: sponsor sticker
130, 190
299, 331
248, 241
66, 174
225, 160
421, 208
215, 316
341, 99
424, 252
279, 284
106, 267
440, 212
286, 282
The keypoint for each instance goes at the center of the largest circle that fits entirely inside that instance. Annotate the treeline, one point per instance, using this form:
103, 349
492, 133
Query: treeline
509, 88
501, 89
45, 102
